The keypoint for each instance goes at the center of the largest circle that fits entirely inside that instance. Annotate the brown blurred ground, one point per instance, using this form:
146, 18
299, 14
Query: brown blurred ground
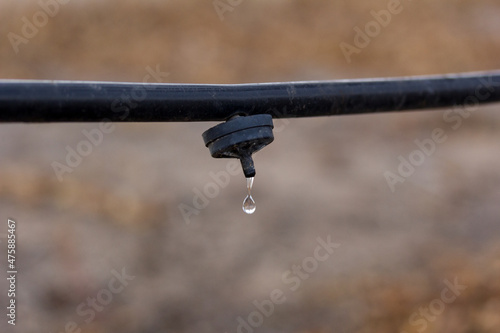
320, 177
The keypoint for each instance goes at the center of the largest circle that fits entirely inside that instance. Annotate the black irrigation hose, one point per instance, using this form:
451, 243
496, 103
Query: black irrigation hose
68, 101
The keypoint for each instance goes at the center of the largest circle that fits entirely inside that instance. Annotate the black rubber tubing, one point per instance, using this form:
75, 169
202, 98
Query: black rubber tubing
71, 101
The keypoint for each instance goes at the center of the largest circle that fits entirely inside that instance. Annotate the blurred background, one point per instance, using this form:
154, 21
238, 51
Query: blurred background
120, 209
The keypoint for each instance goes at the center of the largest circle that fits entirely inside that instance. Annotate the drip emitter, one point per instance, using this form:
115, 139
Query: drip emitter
240, 137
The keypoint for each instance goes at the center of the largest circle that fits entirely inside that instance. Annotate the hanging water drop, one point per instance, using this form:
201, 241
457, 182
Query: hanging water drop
249, 203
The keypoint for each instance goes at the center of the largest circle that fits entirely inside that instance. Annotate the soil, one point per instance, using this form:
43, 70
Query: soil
398, 256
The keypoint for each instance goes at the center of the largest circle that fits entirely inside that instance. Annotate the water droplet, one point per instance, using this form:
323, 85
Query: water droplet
249, 203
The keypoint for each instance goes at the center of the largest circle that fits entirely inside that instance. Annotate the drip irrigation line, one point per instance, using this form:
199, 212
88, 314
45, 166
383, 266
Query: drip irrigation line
76, 101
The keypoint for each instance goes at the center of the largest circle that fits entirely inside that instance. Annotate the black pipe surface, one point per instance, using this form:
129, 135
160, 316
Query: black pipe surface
69, 101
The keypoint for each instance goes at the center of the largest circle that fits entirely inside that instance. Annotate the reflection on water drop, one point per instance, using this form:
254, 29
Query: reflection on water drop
249, 203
